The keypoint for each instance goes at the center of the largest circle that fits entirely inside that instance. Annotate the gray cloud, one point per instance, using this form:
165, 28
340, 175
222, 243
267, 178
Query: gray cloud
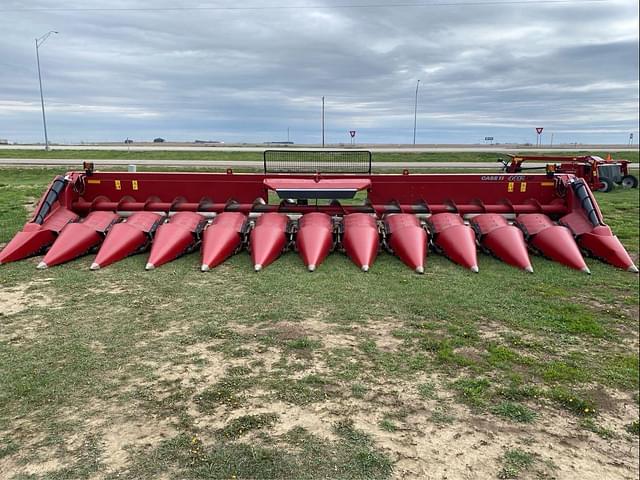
248, 75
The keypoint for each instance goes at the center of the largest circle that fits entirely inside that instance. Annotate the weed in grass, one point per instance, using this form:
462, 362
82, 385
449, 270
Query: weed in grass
441, 416
238, 371
503, 357
519, 392
303, 344
473, 391
368, 346
633, 428
346, 430
358, 390
514, 462
8, 447
241, 425
621, 371
387, 425
228, 391
309, 389
427, 391
573, 402
514, 412
589, 424
559, 371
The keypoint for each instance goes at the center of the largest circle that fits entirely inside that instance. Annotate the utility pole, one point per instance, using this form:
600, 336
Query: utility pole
323, 122
288, 135
39, 42
415, 114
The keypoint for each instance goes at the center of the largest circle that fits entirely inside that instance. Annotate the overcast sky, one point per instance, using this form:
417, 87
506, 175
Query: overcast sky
249, 74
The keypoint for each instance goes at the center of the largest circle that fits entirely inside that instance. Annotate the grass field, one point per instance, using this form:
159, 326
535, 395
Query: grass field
257, 156
123, 373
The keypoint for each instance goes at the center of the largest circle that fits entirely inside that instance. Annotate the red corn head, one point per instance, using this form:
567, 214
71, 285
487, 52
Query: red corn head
268, 239
360, 239
554, 241
175, 238
314, 239
34, 238
76, 239
407, 239
454, 239
127, 238
503, 240
603, 244
222, 239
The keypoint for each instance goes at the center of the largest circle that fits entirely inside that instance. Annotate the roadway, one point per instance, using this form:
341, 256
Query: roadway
373, 148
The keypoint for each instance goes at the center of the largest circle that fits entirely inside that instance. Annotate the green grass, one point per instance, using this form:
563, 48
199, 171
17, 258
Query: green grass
257, 156
198, 352
514, 412
515, 461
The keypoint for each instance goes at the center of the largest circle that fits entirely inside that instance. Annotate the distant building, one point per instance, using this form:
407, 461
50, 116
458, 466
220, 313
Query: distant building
4, 141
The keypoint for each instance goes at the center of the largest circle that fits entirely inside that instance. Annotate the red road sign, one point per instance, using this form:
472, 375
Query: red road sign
539, 130
352, 133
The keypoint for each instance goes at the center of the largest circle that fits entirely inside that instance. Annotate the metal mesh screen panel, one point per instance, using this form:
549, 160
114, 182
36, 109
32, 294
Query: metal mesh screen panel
312, 161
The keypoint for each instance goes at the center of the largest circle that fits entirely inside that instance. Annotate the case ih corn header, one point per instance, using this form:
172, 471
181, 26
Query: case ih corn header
314, 203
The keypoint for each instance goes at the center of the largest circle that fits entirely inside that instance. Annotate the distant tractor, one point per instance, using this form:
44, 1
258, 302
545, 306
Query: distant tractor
601, 175
128, 141
158, 140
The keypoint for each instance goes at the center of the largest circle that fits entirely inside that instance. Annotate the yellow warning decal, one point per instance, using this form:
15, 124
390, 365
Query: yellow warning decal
134, 184
118, 185
547, 184
93, 182
523, 187
510, 187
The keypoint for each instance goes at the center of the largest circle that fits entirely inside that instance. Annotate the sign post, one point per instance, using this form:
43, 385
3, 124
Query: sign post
539, 137
353, 136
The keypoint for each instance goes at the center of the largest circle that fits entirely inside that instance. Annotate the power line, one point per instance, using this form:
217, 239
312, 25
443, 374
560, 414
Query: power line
304, 7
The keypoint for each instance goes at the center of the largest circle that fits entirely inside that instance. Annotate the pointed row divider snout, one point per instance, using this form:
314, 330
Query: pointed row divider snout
454, 239
553, 241
222, 238
180, 235
502, 240
601, 243
77, 239
126, 238
268, 239
314, 239
407, 239
35, 238
360, 239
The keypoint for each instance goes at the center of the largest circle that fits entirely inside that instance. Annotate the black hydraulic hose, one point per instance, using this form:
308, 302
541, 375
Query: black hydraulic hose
580, 189
51, 197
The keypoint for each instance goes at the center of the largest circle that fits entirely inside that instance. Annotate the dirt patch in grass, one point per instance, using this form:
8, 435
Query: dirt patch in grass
18, 298
122, 436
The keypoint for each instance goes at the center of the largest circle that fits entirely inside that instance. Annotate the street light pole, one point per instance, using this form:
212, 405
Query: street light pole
322, 122
415, 114
39, 42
